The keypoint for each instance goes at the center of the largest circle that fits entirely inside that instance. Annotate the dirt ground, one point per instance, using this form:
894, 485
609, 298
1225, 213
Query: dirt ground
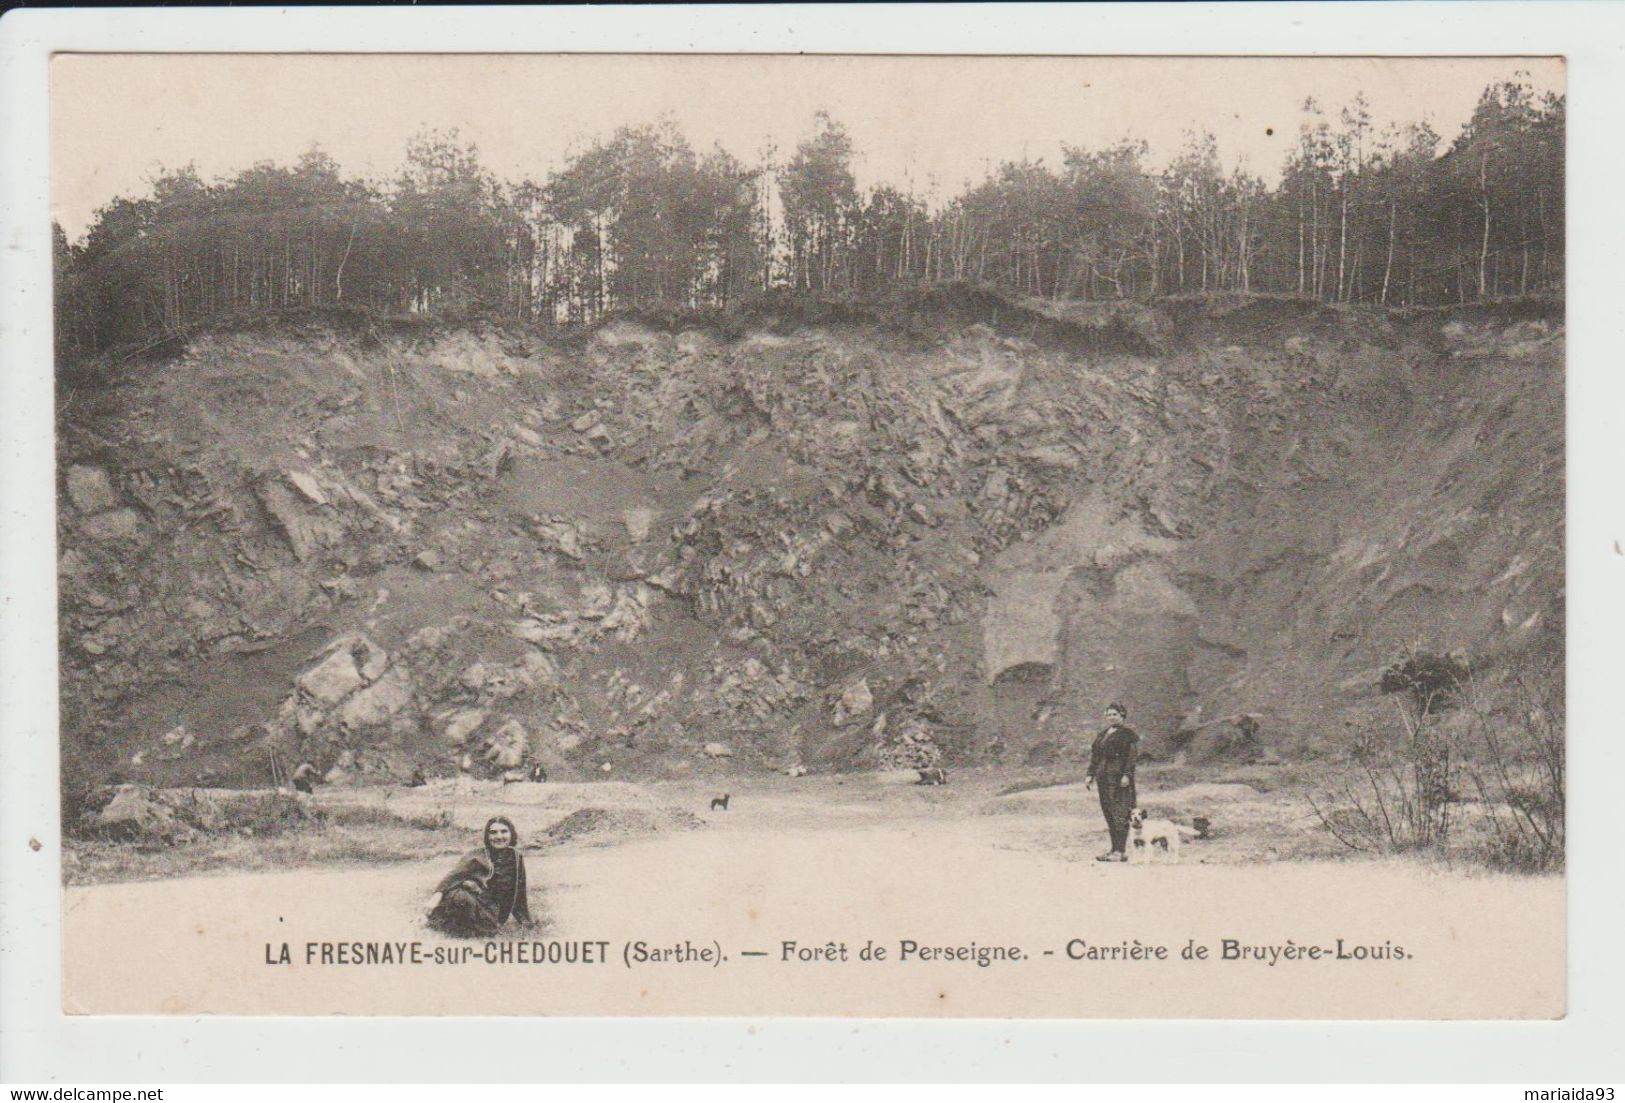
997, 857
1258, 813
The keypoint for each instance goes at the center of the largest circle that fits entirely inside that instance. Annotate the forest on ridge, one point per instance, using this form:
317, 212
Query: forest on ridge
641, 219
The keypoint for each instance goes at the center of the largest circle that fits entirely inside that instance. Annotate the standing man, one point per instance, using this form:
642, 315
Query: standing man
1111, 764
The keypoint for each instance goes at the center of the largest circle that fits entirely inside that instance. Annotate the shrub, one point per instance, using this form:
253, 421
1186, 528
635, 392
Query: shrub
1402, 791
1433, 681
1503, 756
1516, 763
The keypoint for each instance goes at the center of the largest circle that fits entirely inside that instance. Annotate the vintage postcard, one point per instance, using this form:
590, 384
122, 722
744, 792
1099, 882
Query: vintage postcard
1039, 537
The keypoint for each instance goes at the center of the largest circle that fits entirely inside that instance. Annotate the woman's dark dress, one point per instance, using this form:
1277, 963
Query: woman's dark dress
1111, 759
478, 896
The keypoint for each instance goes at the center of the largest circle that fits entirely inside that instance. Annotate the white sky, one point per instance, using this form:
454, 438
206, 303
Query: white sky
933, 121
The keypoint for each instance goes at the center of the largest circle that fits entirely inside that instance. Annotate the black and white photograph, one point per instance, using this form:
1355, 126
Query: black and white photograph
811, 535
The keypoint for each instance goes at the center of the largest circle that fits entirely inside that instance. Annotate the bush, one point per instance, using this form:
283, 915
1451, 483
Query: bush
1401, 795
1431, 680
1517, 765
1502, 755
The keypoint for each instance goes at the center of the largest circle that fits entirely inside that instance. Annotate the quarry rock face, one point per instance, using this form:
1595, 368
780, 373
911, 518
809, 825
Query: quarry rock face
306, 532
307, 485
856, 700
1025, 619
352, 661
333, 680
638, 521
1129, 636
380, 701
89, 489
953, 538
461, 724
507, 747
111, 526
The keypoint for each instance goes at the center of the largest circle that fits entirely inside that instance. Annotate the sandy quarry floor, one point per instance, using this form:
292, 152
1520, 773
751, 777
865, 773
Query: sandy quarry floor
850, 860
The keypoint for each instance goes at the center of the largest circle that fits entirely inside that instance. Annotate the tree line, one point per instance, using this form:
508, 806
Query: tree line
642, 220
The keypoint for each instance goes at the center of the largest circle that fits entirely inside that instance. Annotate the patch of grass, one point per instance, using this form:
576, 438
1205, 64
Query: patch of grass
372, 815
326, 836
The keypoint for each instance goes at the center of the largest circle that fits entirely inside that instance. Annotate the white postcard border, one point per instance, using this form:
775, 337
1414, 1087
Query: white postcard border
40, 1044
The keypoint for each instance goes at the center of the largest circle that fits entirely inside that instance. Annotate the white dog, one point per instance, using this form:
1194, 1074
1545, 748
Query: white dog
1148, 836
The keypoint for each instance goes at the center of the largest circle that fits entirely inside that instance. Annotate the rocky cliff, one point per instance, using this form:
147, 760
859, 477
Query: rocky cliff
948, 527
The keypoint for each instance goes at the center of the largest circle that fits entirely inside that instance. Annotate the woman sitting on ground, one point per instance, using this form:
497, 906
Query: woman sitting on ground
487, 886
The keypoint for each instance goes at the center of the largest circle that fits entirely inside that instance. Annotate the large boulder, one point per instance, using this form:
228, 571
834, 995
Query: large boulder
132, 814
856, 700
638, 521
1231, 740
307, 485
370, 659
379, 702
462, 724
350, 662
333, 679
507, 747
115, 524
90, 490
307, 532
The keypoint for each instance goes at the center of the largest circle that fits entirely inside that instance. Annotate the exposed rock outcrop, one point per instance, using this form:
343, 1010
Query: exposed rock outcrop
831, 542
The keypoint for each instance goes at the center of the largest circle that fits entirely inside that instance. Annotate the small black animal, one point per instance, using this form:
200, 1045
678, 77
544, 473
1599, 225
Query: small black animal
538, 772
720, 802
932, 775
1203, 826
